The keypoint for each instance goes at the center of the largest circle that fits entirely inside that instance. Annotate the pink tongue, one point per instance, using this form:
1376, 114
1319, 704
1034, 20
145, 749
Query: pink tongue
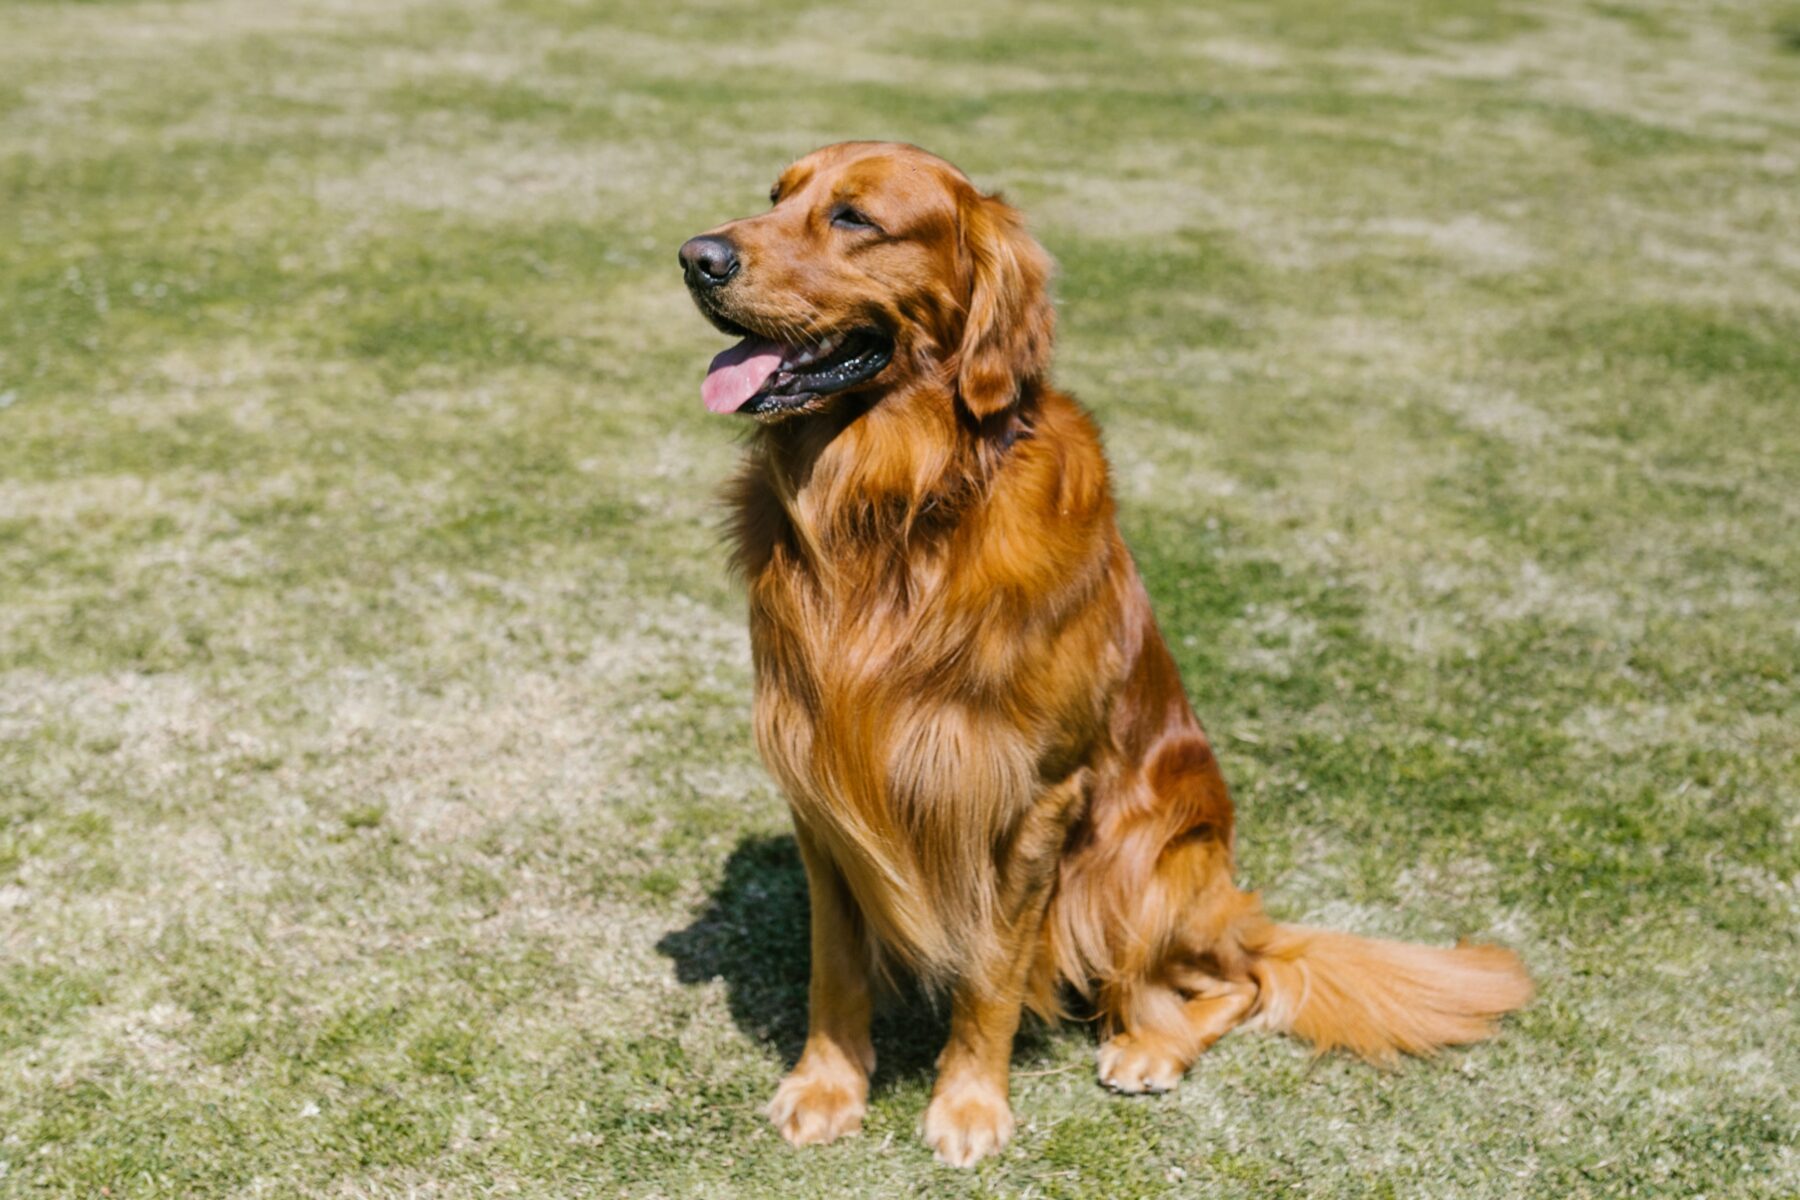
738, 373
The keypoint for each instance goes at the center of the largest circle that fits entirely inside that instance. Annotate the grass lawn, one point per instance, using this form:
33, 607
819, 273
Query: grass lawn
378, 814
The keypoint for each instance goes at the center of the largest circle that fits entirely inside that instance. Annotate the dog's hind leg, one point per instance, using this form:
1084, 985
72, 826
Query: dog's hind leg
1192, 993
1204, 957
1163, 1028
1175, 985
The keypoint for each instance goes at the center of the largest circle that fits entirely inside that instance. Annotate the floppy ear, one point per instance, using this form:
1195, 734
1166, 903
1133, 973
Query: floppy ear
1009, 322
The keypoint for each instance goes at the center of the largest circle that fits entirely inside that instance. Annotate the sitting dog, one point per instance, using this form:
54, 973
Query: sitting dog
996, 780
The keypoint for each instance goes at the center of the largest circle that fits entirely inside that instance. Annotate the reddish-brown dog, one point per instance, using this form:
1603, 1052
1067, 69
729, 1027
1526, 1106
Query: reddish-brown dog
995, 776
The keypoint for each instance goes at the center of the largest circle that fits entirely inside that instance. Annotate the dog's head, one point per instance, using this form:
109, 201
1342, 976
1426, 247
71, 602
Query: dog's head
877, 266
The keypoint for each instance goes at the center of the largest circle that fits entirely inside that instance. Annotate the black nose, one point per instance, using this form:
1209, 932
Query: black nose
709, 261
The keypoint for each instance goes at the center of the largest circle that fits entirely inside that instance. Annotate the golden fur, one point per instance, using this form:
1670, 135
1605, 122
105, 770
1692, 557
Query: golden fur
996, 779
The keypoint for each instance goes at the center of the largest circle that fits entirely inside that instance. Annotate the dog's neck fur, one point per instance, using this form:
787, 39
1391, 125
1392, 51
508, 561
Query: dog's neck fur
875, 475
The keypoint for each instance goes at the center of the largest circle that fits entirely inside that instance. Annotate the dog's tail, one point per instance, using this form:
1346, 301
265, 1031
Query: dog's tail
1375, 998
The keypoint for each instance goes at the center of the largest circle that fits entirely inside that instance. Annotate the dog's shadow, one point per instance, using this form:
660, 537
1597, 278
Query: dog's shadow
753, 935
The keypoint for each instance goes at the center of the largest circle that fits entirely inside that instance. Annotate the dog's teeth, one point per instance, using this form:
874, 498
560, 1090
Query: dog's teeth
813, 354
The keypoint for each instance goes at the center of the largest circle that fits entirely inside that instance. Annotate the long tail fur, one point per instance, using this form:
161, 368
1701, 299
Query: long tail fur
1378, 999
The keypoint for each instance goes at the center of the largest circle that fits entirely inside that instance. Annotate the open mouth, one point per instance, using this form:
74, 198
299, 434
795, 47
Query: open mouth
760, 377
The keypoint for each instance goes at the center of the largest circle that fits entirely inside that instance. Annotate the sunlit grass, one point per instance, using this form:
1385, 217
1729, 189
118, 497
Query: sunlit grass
377, 809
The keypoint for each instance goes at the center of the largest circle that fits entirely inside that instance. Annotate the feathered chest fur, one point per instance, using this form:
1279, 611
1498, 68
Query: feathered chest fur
931, 659
907, 779
914, 723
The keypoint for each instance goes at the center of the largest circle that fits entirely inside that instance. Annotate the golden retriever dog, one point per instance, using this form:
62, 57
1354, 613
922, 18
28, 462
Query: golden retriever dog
996, 780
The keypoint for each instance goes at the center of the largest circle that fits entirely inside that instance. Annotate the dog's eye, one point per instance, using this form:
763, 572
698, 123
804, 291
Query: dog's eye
845, 217
775, 194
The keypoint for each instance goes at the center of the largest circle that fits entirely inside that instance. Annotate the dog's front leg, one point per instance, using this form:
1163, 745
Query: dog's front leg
970, 1116
825, 1095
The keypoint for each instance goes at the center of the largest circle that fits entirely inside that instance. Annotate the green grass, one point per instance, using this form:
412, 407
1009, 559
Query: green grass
377, 809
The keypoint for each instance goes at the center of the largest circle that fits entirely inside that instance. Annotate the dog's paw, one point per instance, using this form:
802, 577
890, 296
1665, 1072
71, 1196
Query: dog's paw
815, 1106
1137, 1065
965, 1123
